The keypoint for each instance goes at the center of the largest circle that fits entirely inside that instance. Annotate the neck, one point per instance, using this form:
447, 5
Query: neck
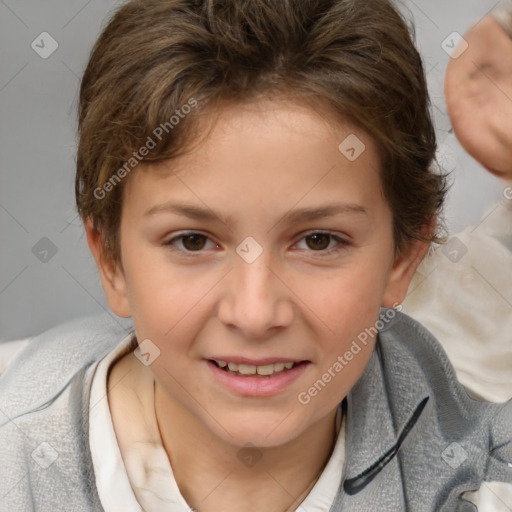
213, 475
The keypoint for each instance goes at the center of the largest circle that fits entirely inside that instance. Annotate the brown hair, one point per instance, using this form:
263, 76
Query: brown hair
162, 59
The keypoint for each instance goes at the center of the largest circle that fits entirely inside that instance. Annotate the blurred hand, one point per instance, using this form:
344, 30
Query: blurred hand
478, 90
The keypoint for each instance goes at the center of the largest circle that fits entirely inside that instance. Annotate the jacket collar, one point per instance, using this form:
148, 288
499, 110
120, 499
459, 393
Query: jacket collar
384, 406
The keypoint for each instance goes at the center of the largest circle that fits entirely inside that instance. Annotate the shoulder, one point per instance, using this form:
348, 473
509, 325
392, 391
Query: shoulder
9, 350
412, 347
408, 410
416, 364
44, 415
48, 361
403, 334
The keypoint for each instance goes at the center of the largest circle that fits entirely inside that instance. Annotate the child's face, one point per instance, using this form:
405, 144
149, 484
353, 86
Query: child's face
213, 296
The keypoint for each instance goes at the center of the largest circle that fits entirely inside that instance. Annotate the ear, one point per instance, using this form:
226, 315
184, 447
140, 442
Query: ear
111, 273
402, 272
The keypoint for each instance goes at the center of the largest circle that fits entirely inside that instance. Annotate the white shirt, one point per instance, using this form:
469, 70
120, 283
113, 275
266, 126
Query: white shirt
133, 472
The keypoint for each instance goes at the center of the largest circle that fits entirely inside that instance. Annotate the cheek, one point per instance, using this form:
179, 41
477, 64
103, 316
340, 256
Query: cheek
347, 348
158, 290
349, 305
347, 298
169, 307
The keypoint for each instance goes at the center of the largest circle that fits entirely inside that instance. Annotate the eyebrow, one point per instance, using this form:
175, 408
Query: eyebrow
298, 215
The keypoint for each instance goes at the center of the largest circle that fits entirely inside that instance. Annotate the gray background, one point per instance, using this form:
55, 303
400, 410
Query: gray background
38, 98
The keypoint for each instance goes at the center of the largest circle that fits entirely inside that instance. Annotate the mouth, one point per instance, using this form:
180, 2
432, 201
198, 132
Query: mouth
265, 379
262, 370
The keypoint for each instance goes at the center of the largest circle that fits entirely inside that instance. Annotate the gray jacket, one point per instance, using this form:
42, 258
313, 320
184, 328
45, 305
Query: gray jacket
415, 440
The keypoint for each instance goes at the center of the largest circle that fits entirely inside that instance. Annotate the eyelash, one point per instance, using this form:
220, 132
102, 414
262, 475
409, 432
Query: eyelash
342, 243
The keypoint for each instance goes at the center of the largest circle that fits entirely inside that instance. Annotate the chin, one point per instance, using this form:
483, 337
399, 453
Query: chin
260, 434
500, 174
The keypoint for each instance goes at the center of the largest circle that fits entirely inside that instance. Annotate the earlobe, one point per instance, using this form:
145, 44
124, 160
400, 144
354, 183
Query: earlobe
111, 274
402, 272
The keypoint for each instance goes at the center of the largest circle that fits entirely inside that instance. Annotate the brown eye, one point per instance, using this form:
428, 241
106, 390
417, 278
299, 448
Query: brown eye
319, 241
194, 242
324, 243
189, 242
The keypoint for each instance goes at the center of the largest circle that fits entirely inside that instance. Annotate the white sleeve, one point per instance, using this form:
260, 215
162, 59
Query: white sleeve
462, 293
9, 350
491, 497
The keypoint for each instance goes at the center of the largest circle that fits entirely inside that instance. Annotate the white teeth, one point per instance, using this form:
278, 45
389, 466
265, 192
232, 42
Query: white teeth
267, 369
249, 369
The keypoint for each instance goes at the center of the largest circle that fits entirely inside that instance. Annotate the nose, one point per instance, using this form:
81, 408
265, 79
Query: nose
255, 298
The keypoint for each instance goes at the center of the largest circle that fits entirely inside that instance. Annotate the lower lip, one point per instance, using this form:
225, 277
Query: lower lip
258, 386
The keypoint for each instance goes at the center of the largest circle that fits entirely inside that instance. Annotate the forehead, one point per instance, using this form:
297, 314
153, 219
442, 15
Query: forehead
265, 152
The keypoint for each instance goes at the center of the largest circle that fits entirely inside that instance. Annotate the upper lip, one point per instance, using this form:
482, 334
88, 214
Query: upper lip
256, 362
